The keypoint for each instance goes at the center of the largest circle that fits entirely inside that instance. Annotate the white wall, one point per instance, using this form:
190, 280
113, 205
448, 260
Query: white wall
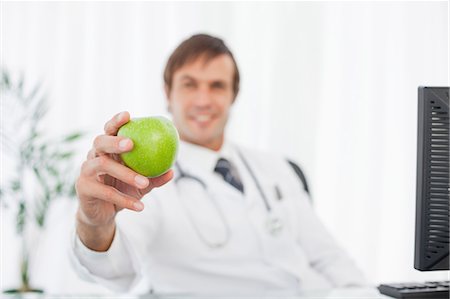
331, 84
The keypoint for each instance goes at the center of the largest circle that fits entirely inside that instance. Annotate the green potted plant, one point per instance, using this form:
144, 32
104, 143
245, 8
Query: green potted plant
40, 168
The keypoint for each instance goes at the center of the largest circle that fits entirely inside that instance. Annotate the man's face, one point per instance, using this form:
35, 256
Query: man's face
200, 100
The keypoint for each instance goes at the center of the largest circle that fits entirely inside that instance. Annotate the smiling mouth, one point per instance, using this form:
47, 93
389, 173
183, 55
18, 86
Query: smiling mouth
202, 119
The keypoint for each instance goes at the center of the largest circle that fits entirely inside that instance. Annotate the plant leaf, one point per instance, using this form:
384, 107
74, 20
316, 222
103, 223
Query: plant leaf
21, 217
6, 83
63, 155
53, 171
16, 185
73, 137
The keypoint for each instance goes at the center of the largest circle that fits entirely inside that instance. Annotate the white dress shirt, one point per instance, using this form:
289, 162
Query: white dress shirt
168, 244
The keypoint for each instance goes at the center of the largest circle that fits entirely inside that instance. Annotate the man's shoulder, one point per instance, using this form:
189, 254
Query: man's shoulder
267, 161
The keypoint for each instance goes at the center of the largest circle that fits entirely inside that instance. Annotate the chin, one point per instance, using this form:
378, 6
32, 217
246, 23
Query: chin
205, 141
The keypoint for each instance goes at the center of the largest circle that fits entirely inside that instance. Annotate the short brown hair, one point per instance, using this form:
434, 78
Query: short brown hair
191, 49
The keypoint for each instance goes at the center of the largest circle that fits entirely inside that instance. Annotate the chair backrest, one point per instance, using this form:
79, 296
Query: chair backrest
300, 175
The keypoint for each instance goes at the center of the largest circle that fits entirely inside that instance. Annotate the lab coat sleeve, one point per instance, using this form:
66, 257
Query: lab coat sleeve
324, 254
117, 268
120, 267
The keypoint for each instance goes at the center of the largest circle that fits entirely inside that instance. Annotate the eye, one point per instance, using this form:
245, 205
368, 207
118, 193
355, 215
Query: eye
218, 85
189, 84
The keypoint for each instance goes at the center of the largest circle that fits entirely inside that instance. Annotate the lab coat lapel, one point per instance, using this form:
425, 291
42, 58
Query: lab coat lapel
279, 250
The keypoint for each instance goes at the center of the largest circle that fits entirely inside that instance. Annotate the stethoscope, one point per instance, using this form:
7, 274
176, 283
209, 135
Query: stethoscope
273, 223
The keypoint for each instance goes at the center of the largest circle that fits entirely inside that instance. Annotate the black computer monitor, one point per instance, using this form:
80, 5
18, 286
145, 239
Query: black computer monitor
433, 185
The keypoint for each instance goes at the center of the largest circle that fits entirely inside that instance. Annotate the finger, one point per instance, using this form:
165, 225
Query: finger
106, 144
161, 180
157, 182
99, 191
105, 165
91, 154
113, 125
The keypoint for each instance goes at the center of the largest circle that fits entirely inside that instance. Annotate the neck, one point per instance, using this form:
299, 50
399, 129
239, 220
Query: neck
214, 145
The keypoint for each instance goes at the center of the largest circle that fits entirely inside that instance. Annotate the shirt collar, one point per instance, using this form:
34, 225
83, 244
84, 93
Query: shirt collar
196, 157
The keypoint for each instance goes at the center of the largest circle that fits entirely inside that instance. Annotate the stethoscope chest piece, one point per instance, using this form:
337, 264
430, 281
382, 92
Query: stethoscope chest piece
274, 226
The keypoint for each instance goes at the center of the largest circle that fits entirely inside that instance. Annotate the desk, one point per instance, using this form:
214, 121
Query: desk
352, 293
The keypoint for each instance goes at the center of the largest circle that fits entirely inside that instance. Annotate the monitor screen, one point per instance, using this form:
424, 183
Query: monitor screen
433, 188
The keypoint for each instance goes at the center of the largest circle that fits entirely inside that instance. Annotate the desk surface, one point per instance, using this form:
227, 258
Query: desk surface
353, 293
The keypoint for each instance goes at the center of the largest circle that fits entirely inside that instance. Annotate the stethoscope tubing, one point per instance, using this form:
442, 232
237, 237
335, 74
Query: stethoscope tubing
256, 181
183, 174
274, 224
220, 244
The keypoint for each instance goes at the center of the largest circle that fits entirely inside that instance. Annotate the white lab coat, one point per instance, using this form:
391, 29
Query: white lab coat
162, 246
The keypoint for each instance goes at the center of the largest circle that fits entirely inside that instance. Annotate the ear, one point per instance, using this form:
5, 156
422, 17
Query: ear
167, 92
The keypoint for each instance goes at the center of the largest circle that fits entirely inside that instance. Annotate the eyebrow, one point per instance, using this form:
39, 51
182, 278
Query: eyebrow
184, 77
187, 77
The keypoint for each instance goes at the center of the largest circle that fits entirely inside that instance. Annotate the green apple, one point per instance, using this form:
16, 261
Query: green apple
155, 142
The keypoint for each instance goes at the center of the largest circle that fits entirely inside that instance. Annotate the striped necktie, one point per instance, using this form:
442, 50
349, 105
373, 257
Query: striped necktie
229, 173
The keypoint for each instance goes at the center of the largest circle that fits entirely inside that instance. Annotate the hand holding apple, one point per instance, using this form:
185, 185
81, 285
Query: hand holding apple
105, 186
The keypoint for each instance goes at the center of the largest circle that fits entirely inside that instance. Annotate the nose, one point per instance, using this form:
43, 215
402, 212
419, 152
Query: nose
203, 97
